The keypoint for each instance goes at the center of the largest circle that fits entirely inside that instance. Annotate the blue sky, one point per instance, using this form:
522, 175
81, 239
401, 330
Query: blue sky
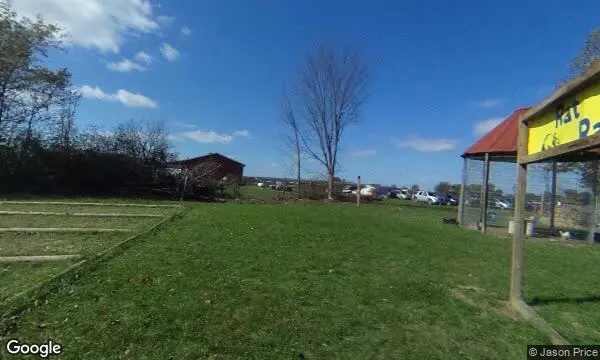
443, 72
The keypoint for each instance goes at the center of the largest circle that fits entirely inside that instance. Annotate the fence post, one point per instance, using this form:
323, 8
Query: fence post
553, 198
463, 190
485, 195
517, 263
358, 191
593, 215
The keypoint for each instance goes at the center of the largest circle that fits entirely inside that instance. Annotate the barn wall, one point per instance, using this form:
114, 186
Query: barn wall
230, 168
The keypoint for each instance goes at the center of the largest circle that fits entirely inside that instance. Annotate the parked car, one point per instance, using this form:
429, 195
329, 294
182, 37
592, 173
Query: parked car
502, 204
403, 194
368, 190
429, 197
451, 200
351, 189
282, 187
394, 194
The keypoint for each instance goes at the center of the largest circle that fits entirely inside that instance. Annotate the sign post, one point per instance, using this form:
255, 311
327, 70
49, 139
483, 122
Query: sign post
358, 191
563, 127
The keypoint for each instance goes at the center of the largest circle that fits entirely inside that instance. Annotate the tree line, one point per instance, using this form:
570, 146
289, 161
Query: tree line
41, 148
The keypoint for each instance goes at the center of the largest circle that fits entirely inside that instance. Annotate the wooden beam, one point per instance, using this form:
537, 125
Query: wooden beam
517, 267
12, 259
87, 204
529, 314
50, 213
463, 193
587, 143
485, 193
591, 75
76, 230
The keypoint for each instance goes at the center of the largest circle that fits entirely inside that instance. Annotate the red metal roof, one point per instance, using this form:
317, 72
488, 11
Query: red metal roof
501, 139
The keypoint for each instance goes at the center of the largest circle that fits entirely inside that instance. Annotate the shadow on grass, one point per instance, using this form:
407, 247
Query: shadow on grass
552, 300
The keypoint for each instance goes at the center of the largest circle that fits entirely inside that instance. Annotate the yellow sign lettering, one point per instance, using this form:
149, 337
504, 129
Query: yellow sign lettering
575, 118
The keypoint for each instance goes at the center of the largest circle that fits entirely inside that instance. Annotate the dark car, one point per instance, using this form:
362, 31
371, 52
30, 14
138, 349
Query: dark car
450, 200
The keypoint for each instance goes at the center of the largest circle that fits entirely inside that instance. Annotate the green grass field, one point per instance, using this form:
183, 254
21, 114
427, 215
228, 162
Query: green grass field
17, 277
383, 281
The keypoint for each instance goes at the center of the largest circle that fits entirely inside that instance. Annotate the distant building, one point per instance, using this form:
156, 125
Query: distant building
218, 165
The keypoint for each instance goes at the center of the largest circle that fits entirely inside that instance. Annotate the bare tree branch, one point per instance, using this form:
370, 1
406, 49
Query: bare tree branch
328, 95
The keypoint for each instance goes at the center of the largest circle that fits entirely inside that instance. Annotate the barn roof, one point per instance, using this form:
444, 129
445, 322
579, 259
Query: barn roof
207, 156
501, 140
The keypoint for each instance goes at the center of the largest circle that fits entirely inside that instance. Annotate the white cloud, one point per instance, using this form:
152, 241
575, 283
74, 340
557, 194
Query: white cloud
174, 138
361, 154
185, 125
427, 145
207, 137
490, 103
123, 96
274, 165
165, 20
242, 133
481, 128
92, 92
125, 65
144, 57
186, 31
169, 52
100, 24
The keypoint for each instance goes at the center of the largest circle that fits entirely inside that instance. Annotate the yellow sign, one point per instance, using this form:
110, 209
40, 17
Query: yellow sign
575, 118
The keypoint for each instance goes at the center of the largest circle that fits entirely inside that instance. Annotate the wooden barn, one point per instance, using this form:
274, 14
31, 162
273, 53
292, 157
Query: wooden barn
217, 166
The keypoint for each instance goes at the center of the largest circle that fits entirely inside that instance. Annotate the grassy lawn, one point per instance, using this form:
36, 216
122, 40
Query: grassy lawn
237, 281
384, 281
37, 221
107, 209
21, 244
254, 192
18, 277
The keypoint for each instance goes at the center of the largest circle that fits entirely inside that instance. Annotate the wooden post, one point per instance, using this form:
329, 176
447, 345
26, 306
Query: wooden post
517, 268
463, 194
485, 195
553, 198
358, 191
593, 218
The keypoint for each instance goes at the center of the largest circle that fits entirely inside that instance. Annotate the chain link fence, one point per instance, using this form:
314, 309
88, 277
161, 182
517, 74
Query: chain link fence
560, 200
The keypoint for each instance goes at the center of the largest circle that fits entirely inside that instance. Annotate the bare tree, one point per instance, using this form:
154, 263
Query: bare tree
327, 97
64, 127
292, 140
145, 142
588, 54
